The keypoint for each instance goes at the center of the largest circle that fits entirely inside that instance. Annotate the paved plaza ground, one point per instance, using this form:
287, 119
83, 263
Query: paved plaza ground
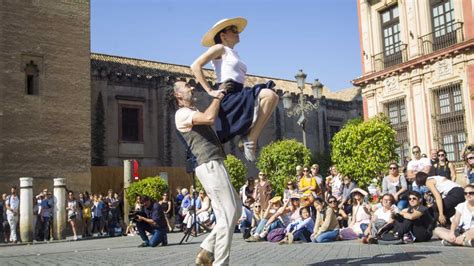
123, 250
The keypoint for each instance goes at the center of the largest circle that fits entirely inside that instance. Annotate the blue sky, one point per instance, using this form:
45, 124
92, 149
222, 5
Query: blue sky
319, 36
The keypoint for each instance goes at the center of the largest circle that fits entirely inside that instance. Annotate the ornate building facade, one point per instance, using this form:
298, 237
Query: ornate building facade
418, 69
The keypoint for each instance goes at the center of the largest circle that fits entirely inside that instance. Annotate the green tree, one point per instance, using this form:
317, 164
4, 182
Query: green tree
153, 187
363, 150
98, 133
279, 160
236, 170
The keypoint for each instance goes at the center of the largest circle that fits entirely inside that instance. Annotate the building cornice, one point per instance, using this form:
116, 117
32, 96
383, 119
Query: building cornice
422, 60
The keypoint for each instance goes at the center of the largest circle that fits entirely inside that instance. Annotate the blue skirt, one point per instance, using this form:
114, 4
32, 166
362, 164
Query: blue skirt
237, 110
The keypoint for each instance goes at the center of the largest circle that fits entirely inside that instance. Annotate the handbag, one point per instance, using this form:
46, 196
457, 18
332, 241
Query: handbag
276, 235
347, 234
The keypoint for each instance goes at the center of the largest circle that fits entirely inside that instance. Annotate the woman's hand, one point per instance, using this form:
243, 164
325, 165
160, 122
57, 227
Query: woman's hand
442, 219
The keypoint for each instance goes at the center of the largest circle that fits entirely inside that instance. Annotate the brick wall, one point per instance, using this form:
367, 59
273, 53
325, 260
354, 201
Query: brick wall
45, 135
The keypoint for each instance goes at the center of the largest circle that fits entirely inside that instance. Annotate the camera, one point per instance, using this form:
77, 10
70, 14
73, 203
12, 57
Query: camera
133, 215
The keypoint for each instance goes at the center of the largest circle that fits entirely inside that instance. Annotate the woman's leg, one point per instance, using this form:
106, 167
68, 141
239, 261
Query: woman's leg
268, 101
402, 204
327, 236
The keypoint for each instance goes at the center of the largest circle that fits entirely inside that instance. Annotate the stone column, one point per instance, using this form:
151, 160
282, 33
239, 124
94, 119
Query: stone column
127, 180
59, 215
26, 209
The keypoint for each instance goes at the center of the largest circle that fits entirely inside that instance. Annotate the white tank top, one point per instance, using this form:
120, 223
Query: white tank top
230, 66
443, 185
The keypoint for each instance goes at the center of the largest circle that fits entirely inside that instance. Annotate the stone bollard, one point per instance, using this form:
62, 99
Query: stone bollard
26, 209
127, 179
59, 215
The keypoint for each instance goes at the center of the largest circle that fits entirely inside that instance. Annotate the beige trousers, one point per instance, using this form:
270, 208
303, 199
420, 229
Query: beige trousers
226, 205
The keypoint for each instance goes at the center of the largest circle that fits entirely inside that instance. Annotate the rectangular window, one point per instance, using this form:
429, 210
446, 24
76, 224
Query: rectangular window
391, 37
396, 113
131, 123
449, 120
444, 28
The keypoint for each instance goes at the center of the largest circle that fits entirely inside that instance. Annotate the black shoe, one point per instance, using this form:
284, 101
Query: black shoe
143, 245
164, 243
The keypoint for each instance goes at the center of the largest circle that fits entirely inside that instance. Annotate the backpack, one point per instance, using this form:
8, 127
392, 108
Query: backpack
86, 212
276, 235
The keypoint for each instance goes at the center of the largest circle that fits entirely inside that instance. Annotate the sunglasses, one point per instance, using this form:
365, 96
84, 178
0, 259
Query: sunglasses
441, 155
470, 158
412, 198
305, 170
232, 29
470, 193
331, 201
258, 206
393, 168
415, 152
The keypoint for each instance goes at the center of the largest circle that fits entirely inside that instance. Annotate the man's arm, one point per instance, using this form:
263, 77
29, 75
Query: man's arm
209, 116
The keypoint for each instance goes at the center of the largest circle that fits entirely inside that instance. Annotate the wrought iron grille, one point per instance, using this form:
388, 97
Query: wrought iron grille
389, 58
396, 113
449, 120
442, 37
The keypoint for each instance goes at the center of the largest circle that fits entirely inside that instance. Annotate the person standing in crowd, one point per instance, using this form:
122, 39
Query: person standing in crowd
152, 220
39, 231
6, 226
247, 190
444, 167
299, 173
319, 180
396, 184
307, 183
335, 183
243, 111
165, 204
433, 156
86, 204
326, 227
263, 191
195, 128
469, 164
12, 204
96, 209
418, 163
2, 219
71, 209
447, 195
46, 214
177, 207
461, 232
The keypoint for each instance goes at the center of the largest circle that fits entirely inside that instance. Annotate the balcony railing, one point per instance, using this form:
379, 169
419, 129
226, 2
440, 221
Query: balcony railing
389, 58
443, 37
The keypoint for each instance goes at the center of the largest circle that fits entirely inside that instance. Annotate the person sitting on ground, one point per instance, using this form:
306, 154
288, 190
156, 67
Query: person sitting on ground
256, 215
307, 183
381, 217
287, 214
360, 213
461, 232
414, 223
418, 163
245, 220
347, 186
300, 229
204, 213
326, 227
152, 220
447, 195
290, 190
273, 206
396, 184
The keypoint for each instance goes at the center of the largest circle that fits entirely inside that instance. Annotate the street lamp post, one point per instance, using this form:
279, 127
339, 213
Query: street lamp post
304, 104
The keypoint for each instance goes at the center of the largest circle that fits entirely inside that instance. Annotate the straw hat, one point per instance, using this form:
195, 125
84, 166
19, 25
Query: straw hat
208, 39
295, 196
275, 199
361, 191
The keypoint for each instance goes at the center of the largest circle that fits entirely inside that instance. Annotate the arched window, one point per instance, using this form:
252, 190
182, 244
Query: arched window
31, 78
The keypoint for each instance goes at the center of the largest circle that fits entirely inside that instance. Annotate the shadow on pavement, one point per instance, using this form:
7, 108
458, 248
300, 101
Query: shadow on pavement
382, 258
